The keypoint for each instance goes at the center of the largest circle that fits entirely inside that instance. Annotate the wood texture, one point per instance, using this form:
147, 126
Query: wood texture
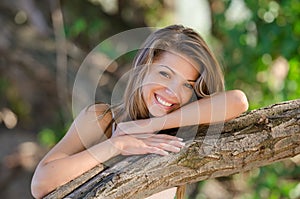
254, 139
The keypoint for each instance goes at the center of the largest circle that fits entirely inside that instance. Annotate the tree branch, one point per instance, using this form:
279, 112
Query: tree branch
255, 139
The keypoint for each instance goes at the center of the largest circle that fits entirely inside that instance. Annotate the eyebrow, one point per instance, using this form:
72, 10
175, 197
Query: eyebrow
189, 80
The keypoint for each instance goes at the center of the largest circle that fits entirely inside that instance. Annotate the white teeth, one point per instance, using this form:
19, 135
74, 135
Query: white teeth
163, 102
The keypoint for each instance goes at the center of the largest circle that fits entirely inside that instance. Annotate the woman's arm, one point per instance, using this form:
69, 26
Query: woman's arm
85, 146
69, 158
217, 108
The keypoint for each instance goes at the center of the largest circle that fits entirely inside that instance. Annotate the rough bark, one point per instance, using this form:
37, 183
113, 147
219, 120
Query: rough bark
255, 139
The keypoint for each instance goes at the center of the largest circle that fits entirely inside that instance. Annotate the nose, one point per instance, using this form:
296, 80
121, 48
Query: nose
169, 92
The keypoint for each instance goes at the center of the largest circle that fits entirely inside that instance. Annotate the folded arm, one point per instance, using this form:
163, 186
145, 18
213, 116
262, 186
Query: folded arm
216, 108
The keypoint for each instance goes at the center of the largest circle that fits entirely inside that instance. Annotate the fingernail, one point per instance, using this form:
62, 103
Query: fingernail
182, 143
180, 139
177, 149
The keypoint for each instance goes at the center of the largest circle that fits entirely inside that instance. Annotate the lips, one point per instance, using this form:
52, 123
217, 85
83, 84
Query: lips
164, 103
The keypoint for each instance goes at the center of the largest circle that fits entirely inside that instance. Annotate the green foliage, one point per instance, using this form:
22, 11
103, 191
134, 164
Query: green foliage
262, 55
12, 99
276, 181
251, 47
49, 136
3, 86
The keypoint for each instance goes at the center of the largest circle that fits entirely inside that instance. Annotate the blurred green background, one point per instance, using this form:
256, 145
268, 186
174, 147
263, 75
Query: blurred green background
43, 43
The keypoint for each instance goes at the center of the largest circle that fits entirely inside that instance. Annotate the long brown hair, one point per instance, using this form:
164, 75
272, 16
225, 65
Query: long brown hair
178, 39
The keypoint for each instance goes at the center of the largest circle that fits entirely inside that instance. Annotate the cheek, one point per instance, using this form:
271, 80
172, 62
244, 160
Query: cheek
144, 92
150, 84
146, 89
187, 96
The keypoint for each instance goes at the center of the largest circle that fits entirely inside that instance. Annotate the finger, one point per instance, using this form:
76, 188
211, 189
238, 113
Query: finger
168, 147
142, 136
170, 142
156, 150
177, 143
165, 136
164, 146
159, 136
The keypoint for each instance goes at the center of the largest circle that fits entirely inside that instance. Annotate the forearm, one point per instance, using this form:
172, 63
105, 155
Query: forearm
218, 108
63, 169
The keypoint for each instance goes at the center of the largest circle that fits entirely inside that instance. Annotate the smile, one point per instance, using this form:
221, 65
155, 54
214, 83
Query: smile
162, 102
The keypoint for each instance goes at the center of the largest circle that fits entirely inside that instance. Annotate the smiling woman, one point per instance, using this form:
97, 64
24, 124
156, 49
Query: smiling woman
169, 83
176, 81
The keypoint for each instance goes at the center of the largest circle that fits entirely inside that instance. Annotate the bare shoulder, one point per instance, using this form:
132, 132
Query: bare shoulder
99, 111
92, 124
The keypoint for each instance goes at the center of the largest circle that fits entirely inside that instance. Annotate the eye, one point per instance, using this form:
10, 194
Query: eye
165, 74
188, 85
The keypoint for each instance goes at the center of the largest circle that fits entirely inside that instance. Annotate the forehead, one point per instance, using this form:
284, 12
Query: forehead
180, 64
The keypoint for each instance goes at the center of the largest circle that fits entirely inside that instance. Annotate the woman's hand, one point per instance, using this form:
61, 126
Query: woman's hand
147, 143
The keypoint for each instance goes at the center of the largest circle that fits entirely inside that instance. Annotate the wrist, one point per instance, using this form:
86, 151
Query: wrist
158, 123
138, 126
115, 145
150, 125
103, 151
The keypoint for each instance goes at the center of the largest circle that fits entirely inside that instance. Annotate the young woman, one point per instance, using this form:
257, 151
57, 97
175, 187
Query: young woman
175, 81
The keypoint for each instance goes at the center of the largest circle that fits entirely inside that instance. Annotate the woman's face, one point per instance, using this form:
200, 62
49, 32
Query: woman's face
169, 83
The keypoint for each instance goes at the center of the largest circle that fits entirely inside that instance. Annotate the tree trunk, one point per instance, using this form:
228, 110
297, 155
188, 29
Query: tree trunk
255, 139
